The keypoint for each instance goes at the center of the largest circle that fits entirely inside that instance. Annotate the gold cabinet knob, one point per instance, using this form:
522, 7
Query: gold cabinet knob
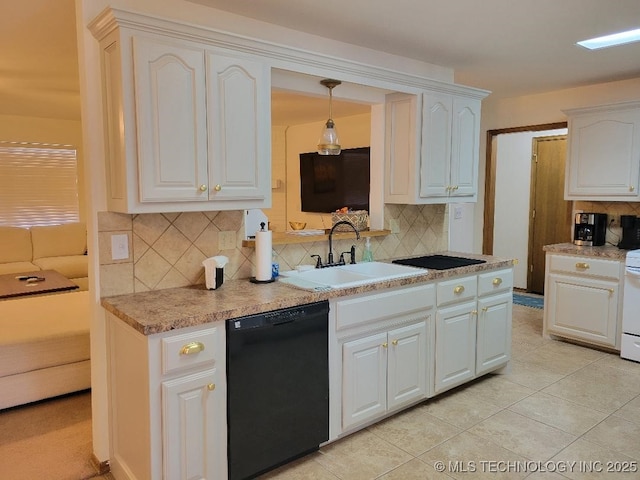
459, 289
203, 188
611, 290
485, 309
582, 265
211, 387
454, 187
385, 345
394, 342
448, 188
217, 188
192, 348
497, 281
631, 188
474, 312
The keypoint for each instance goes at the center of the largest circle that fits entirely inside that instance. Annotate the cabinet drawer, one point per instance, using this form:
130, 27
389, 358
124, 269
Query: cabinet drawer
379, 306
456, 290
495, 282
585, 266
189, 350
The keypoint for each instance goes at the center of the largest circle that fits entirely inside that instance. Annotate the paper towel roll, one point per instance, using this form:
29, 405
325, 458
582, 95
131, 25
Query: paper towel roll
263, 255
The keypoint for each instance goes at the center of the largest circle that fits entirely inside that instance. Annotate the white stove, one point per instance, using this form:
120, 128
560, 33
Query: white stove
630, 348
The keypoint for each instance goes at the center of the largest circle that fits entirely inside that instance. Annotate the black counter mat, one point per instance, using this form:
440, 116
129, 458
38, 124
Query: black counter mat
438, 262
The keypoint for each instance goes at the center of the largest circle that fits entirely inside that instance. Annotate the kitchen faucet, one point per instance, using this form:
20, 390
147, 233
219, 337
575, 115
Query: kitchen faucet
330, 256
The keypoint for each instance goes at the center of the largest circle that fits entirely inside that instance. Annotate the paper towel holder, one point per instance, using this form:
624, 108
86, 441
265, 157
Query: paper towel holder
254, 279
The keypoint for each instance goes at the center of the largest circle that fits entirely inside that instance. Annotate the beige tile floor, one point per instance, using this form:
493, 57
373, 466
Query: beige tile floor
571, 411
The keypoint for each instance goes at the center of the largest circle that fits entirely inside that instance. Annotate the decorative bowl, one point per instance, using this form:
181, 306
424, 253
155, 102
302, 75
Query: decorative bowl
298, 225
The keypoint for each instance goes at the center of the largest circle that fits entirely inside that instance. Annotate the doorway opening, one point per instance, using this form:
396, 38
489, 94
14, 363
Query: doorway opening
511, 194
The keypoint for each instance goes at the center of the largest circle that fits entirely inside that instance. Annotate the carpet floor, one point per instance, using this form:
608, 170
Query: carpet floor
48, 440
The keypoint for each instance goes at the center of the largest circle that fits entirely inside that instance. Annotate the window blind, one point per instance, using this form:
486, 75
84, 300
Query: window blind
38, 184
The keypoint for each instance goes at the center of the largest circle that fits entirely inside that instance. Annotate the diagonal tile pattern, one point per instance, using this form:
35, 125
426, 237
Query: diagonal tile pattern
571, 408
168, 248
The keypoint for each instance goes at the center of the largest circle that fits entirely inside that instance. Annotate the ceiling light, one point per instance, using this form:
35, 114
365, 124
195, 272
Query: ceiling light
328, 143
612, 40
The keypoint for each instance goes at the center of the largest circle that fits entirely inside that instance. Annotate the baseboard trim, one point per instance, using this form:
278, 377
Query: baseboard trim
102, 467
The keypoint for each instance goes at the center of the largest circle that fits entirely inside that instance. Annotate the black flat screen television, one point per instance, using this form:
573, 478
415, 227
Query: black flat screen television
330, 182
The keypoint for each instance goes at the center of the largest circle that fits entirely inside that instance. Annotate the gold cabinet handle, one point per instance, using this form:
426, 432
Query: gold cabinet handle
582, 265
631, 188
448, 188
203, 188
497, 281
217, 188
211, 387
474, 312
394, 342
385, 345
485, 309
454, 188
611, 290
459, 289
191, 348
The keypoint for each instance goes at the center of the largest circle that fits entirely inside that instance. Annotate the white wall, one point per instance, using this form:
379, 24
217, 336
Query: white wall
536, 110
513, 188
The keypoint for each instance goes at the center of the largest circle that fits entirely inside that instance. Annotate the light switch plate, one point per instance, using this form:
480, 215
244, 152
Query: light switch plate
120, 247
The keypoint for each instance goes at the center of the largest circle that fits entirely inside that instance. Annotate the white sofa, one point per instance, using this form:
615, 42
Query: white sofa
54, 247
44, 347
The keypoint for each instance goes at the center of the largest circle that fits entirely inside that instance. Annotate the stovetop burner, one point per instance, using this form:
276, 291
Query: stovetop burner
438, 262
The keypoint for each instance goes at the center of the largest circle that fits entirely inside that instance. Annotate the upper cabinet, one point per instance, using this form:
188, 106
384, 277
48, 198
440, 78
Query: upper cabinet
432, 148
603, 161
188, 125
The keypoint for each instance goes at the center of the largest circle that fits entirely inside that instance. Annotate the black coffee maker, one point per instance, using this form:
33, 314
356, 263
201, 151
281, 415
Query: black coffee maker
590, 229
630, 232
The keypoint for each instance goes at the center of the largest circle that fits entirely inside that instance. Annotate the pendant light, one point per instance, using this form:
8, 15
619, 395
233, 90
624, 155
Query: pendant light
328, 143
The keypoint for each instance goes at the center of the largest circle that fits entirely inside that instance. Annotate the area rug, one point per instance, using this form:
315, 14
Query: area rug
532, 301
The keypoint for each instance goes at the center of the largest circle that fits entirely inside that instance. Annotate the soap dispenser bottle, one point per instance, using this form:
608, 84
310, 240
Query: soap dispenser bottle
367, 255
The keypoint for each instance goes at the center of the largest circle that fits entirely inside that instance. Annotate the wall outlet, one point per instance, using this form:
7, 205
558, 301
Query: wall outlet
394, 226
227, 240
120, 247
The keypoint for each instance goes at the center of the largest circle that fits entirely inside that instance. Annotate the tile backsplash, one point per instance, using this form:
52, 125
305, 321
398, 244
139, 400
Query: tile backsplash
166, 250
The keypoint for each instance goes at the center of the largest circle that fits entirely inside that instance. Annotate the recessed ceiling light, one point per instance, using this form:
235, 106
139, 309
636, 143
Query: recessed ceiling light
612, 40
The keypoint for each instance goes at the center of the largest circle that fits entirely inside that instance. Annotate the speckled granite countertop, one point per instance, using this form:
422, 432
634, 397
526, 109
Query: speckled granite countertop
606, 251
160, 311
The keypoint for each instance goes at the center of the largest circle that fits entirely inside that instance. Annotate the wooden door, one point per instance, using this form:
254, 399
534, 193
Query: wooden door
550, 214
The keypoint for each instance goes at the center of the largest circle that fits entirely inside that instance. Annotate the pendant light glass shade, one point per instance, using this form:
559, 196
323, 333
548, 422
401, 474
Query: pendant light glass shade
328, 144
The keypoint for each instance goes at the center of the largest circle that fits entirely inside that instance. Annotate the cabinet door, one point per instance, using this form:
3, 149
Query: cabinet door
194, 427
582, 308
239, 119
465, 148
435, 173
402, 146
455, 345
493, 332
604, 156
364, 379
171, 120
407, 364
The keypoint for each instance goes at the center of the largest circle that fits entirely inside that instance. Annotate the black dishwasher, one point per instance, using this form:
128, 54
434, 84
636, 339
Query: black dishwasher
277, 387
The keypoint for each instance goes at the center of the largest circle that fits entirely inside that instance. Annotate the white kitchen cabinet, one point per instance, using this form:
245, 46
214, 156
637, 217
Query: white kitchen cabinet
187, 125
432, 147
495, 311
383, 372
450, 147
473, 327
383, 357
583, 299
455, 361
168, 399
603, 158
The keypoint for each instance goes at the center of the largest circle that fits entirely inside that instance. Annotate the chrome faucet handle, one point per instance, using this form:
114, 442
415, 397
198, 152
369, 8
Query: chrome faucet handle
318, 261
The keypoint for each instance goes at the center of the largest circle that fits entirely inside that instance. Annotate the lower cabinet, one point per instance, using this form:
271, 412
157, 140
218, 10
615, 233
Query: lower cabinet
473, 327
383, 371
455, 361
583, 299
168, 403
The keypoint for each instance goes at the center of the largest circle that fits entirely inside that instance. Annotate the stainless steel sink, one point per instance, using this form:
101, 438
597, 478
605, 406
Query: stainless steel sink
348, 275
